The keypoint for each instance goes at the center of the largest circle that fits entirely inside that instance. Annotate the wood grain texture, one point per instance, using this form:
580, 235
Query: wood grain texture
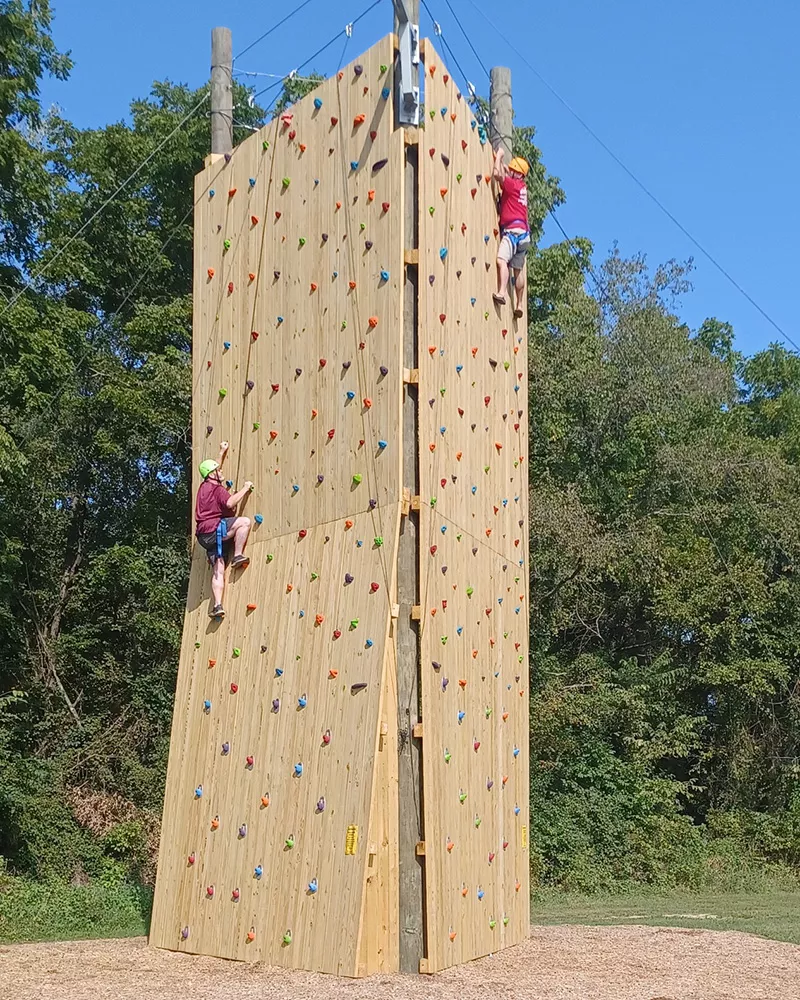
473, 580
330, 505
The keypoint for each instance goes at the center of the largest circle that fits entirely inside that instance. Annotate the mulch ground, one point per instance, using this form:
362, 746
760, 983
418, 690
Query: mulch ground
556, 963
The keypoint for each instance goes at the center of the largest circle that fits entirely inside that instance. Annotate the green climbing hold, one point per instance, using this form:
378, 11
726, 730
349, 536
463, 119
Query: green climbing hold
363, 227
431, 209
493, 924
265, 144
378, 540
223, 393
287, 937
506, 365
344, 324
197, 645
383, 68
486, 468
462, 797
354, 623
290, 841
433, 501
458, 177
226, 244
237, 651
432, 114
444, 640
505, 921
357, 478
315, 576
477, 822
488, 712
447, 756
302, 241
286, 182
470, 591
270, 557
256, 426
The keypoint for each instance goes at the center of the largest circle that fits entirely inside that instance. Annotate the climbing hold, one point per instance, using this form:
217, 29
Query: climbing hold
443, 253
206, 706
276, 705
354, 164
383, 444
287, 938
249, 761
357, 478
374, 587
226, 749
243, 831
286, 182
210, 273
359, 120
317, 103
251, 935
198, 792
298, 770
373, 320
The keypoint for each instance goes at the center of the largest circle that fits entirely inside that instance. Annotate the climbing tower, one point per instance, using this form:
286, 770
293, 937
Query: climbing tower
281, 834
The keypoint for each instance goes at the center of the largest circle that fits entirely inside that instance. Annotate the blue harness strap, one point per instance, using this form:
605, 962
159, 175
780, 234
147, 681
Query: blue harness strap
517, 238
222, 531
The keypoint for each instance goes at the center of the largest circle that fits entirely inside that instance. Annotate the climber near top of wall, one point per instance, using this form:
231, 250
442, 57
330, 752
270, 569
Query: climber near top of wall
218, 525
515, 234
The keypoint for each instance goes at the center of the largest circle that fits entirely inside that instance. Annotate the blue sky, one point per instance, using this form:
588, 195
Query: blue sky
700, 98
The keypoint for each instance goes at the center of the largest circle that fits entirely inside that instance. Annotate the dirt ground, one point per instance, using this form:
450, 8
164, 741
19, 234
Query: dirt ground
557, 963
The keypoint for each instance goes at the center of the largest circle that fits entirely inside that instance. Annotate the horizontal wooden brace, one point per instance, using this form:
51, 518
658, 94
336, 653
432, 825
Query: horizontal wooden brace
411, 257
420, 849
416, 612
416, 731
411, 136
411, 376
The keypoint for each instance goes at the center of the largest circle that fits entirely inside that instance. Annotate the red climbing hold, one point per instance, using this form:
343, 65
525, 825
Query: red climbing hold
273, 435
473, 192
232, 192
277, 215
348, 525
373, 135
385, 206
352, 285
212, 663
331, 432
374, 587
230, 288
446, 78
432, 152
276, 386
338, 205
323, 362
432, 70
286, 119
433, 549
251, 276
476, 745
302, 533
313, 414
234, 688
252, 607
334, 121
336, 633
249, 761
254, 334
464, 144
313, 286
442, 317
254, 219
432, 350
487, 400
443, 191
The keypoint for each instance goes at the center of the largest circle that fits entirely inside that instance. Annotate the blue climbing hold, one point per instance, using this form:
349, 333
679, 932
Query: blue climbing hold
206, 705
516, 751
317, 103
443, 528
516, 810
226, 344
442, 430
474, 490
198, 792
295, 488
280, 319
351, 394
461, 716
313, 886
443, 111
384, 275
460, 629
279, 671
211, 193
298, 770
383, 444
473, 301
301, 614
258, 871
385, 93
459, 368
443, 252
486, 239
302, 701
252, 182
369, 643
354, 164
259, 518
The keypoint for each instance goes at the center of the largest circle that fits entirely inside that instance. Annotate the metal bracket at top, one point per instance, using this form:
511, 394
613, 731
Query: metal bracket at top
408, 105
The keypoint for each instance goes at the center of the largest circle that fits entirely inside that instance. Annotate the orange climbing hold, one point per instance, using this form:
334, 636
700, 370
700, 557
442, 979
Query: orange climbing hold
338, 205
333, 674
215, 823
373, 321
251, 935
264, 801
313, 286
252, 607
443, 191
499, 447
474, 352
432, 350
462, 683
370, 196
352, 285
359, 120
452, 116
348, 525
432, 70
432, 447
289, 588
302, 147
211, 664
458, 455
211, 272
367, 403
251, 275
232, 192
272, 435
319, 619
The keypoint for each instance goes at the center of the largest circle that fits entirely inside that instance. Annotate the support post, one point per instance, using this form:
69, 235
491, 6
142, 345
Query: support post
501, 116
221, 90
406, 27
411, 830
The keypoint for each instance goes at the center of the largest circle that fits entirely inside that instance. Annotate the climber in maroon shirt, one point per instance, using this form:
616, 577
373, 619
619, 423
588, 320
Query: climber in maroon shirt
515, 235
217, 524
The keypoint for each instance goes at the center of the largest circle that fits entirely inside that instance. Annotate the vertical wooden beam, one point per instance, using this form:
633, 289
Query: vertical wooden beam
501, 116
221, 90
407, 93
411, 865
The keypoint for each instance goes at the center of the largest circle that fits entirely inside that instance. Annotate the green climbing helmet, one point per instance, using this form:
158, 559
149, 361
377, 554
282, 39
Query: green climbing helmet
207, 467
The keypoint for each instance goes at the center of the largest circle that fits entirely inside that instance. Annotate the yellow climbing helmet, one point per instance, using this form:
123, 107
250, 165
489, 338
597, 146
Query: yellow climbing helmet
207, 467
519, 165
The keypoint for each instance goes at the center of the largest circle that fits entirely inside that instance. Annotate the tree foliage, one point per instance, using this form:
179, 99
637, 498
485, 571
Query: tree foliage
663, 497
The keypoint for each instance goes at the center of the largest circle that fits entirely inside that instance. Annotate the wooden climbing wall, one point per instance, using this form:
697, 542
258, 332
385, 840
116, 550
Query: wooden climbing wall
473, 558
281, 798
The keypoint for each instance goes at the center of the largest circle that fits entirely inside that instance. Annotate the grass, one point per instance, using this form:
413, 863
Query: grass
31, 911
772, 914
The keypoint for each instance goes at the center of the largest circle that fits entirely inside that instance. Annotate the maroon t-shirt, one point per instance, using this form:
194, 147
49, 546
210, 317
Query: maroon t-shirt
514, 204
211, 506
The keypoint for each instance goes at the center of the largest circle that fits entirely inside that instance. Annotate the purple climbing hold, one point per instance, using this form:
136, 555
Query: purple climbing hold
209, 429
250, 385
445, 160
358, 69
383, 370
228, 157
348, 578
436, 665
324, 237
321, 804
346, 364
276, 704
431, 278
368, 244
320, 478
373, 504
445, 682
378, 165
298, 372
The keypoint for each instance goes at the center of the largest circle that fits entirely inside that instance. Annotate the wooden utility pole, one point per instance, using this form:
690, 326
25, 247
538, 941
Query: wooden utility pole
411, 830
501, 116
221, 90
